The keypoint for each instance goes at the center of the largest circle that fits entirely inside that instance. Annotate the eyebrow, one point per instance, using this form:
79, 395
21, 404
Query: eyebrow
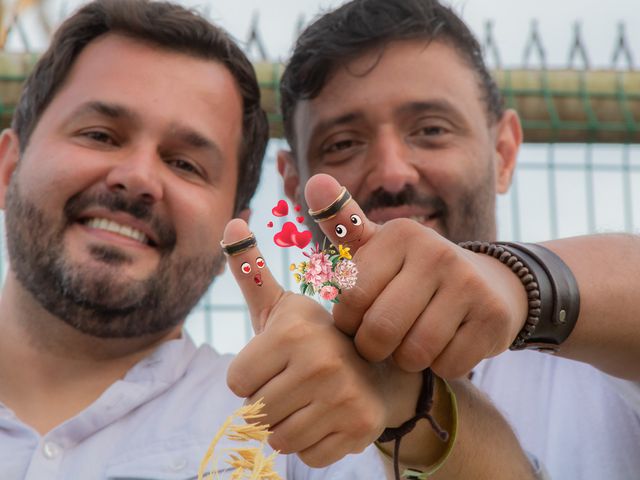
411, 108
328, 124
432, 106
190, 137
111, 110
183, 134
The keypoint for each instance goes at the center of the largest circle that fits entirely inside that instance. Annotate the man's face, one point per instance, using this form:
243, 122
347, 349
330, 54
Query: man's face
405, 129
116, 207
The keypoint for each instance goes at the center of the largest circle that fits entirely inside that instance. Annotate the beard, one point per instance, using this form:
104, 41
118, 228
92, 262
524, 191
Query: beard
101, 301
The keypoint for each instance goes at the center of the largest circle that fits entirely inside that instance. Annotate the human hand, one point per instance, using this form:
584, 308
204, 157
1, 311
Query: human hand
322, 399
419, 298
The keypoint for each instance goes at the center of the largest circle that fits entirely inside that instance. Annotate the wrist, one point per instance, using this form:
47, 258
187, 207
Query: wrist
552, 292
428, 437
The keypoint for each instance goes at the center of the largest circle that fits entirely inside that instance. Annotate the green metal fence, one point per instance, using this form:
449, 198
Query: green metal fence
579, 171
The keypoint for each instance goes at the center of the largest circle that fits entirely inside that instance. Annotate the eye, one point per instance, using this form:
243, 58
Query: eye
260, 263
431, 130
340, 145
356, 220
181, 164
99, 136
246, 268
341, 230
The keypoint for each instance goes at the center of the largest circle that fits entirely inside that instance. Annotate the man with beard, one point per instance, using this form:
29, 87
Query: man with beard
139, 134
392, 99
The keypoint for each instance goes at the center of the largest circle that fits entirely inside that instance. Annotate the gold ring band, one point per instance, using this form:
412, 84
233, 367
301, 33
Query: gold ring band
332, 210
241, 246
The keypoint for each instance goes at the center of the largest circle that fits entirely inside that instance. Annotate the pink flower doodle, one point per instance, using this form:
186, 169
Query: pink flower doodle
328, 292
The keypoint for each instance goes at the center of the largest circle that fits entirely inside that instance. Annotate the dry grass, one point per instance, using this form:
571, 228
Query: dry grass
248, 462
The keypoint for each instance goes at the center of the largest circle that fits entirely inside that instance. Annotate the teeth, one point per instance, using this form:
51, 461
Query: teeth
111, 226
417, 218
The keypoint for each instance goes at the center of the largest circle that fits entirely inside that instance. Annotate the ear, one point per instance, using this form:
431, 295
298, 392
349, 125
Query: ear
508, 140
9, 155
290, 176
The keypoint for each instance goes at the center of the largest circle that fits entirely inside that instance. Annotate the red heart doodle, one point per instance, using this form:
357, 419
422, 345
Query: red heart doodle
299, 219
289, 236
281, 209
297, 208
270, 224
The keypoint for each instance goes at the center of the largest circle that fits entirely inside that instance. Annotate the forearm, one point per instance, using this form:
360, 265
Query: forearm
607, 333
485, 447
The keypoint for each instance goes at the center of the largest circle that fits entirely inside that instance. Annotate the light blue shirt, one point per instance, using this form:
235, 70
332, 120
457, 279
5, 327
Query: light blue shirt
156, 423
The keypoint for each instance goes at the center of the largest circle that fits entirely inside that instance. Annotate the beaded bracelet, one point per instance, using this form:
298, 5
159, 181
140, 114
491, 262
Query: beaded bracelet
529, 281
552, 292
423, 411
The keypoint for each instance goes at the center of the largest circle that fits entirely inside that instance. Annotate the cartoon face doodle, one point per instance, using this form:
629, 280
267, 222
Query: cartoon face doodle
349, 231
246, 269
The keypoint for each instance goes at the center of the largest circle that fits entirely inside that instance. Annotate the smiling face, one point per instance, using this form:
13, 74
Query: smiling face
405, 129
115, 209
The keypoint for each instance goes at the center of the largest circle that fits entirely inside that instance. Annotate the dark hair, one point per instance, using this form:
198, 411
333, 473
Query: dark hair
168, 26
361, 25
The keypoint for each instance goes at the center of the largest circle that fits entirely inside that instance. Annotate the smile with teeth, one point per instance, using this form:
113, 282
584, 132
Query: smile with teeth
114, 227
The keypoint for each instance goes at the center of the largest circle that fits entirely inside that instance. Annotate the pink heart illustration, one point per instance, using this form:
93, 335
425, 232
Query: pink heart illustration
281, 209
299, 219
289, 236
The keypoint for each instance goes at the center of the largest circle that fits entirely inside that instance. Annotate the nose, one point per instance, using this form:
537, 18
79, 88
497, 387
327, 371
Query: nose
138, 175
392, 162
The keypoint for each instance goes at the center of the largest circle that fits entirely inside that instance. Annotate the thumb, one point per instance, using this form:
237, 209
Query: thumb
337, 214
259, 288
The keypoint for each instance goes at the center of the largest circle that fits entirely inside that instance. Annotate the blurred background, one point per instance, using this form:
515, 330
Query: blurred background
570, 68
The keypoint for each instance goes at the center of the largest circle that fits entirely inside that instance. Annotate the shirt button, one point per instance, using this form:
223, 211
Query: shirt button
51, 450
178, 464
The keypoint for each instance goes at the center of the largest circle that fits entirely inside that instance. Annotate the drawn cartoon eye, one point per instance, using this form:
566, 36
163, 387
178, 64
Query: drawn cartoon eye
341, 230
246, 268
356, 220
260, 263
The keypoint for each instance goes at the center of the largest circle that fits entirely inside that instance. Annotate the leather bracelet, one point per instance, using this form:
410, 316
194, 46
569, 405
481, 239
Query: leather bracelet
423, 409
552, 292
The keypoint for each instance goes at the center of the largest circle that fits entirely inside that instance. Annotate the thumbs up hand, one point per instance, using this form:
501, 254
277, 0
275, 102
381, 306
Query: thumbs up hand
322, 399
419, 298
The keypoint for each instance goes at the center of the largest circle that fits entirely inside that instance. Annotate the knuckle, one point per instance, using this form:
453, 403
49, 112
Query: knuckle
297, 331
344, 318
364, 424
313, 459
354, 300
327, 366
281, 442
414, 355
236, 381
444, 254
382, 329
446, 369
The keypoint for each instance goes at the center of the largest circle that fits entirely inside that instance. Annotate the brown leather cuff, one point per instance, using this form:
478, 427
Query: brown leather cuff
559, 297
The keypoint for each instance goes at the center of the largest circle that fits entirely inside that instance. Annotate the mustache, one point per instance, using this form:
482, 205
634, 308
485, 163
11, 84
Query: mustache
117, 202
382, 198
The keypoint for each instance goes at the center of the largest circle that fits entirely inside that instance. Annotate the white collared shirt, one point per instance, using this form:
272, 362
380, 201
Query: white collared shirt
156, 423
580, 422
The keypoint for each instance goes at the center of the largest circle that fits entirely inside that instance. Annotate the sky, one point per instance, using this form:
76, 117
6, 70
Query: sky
512, 22
228, 327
